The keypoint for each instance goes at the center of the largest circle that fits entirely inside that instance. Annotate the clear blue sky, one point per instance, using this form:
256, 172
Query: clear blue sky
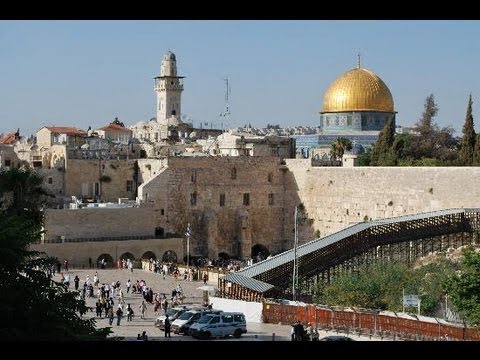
81, 73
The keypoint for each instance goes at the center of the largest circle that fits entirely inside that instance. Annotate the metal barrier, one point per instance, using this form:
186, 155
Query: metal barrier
366, 322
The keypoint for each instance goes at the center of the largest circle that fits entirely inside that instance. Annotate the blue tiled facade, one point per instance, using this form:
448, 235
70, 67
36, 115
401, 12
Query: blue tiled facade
355, 121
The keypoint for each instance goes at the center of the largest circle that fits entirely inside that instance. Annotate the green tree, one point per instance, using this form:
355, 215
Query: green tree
423, 146
425, 125
463, 288
32, 306
476, 153
379, 286
376, 286
339, 146
468, 141
382, 150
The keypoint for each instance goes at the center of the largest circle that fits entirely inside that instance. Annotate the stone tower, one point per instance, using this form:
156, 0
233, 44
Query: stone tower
168, 87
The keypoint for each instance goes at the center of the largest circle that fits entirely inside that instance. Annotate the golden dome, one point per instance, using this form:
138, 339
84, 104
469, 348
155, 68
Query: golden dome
358, 90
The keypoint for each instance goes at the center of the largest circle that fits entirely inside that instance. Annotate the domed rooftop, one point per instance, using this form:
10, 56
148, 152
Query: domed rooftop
358, 89
169, 56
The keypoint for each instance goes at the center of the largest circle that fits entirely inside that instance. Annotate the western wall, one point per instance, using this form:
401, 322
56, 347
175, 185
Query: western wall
209, 193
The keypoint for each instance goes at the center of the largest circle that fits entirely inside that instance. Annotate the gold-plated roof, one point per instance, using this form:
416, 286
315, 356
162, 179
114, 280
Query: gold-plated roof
358, 90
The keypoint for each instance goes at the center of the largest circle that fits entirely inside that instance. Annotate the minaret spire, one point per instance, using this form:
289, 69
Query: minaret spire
358, 61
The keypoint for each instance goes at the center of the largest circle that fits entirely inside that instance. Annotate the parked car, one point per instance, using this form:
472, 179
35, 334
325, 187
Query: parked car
173, 313
336, 338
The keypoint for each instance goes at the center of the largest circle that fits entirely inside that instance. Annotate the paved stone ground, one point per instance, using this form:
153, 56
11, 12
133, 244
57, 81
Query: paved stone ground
129, 330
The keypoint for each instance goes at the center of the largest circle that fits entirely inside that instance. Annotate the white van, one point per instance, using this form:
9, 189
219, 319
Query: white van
219, 325
182, 324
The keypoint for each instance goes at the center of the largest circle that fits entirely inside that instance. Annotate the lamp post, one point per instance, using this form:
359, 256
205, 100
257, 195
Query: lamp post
300, 214
188, 233
295, 270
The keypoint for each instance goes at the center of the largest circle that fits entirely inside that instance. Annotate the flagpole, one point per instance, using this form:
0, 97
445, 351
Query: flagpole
188, 232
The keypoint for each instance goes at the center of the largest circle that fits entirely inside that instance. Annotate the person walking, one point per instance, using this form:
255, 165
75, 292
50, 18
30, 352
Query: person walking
143, 309
129, 313
119, 314
110, 315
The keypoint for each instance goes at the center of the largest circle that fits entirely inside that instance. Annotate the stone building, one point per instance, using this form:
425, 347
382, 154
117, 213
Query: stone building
235, 205
231, 144
115, 133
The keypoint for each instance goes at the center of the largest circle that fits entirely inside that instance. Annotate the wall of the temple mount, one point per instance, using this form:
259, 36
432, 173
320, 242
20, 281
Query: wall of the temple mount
209, 193
337, 197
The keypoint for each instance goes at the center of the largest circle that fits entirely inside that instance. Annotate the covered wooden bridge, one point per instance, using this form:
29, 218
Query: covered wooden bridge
404, 238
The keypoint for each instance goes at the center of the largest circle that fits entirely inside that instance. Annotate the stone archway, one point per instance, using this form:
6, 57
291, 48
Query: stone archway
147, 255
223, 259
259, 252
148, 260
169, 256
127, 255
107, 261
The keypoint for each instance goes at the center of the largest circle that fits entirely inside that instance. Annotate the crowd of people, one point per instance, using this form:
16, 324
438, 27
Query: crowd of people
300, 333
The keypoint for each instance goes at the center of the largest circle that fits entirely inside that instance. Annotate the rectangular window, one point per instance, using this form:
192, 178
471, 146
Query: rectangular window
97, 189
194, 176
246, 199
222, 199
193, 199
129, 185
50, 180
270, 177
8, 162
162, 212
84, 189
271, 200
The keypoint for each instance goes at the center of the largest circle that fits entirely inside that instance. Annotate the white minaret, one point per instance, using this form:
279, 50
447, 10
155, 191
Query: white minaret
168, 87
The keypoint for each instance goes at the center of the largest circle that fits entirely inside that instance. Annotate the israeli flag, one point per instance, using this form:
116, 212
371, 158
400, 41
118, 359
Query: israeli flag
188, 232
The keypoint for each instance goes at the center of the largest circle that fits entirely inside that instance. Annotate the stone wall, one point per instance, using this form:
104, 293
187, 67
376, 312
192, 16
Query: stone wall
77, 254
337, 197
149, 168
116, 173
189, 191
100, 222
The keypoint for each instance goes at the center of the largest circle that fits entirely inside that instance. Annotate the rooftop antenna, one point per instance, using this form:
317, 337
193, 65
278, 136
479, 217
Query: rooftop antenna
227, 96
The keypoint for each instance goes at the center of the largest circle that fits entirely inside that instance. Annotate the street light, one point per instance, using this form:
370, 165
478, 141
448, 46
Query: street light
295, 270
302, 217
188, 233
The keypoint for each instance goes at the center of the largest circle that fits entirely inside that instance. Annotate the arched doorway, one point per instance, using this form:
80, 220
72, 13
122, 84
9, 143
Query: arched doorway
105, 261
259, 253
127, 256
223, 259
149, 255
169, 256
148, 261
